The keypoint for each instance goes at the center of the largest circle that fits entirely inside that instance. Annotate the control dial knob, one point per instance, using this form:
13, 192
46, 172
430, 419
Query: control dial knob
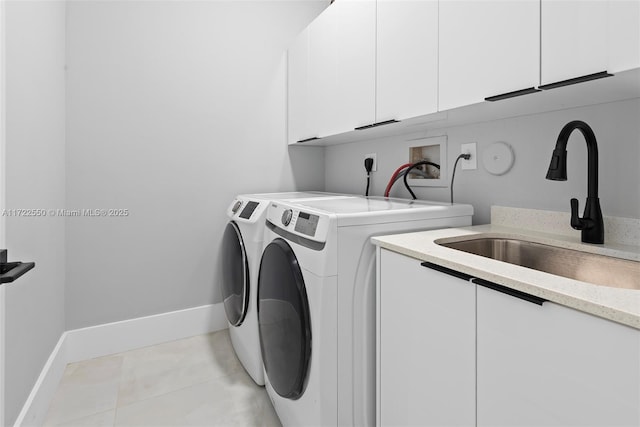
236, 206
286, 217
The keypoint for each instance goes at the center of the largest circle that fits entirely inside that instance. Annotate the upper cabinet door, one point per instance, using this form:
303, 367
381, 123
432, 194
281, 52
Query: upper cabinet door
297, 90
407, 59
574, 39
624, 35
322, 71
487, 48
342, 67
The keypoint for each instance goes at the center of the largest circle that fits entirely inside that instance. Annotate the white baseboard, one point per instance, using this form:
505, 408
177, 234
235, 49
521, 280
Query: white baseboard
110, 338
116, 337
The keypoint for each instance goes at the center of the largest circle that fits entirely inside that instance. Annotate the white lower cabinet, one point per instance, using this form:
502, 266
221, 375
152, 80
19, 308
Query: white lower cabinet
549, 365
426, 345
456, 352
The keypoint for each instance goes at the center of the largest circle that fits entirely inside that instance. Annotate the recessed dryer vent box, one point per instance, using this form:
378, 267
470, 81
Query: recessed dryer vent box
434, 150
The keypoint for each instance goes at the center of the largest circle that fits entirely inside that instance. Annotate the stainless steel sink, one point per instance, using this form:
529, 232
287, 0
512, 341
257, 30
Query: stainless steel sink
583, 266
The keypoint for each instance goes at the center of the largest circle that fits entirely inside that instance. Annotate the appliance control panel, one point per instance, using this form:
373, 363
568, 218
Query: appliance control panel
248, 209
300, 222
307, 223
245, 210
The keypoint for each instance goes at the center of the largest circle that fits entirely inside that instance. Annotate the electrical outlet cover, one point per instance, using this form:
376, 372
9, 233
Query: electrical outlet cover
472, 163
375, 161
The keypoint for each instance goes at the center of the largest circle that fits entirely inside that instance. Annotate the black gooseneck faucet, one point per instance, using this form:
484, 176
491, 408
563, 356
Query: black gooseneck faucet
591, 223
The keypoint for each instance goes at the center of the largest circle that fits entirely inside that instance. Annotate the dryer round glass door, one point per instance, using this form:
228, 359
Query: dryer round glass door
284, 321
235, 275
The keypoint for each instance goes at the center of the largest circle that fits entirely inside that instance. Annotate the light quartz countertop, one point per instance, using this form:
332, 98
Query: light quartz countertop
618, 305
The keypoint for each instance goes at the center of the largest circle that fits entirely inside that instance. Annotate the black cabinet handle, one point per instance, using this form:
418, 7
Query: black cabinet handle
487, 284
13, 270
307, 140
10, 271
446, 270
373, 125
512, 94
575, 80
505, 290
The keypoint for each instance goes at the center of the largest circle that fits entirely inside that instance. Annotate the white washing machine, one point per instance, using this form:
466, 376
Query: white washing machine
241, 251
316, 302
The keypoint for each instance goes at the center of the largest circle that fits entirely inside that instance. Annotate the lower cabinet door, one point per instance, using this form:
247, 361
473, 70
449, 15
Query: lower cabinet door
549, 365
426, 347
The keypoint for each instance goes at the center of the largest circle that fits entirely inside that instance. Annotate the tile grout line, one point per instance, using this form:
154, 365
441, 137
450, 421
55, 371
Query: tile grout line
118, 406
83, 384
217, 377
120, 381
115, 412
79, 418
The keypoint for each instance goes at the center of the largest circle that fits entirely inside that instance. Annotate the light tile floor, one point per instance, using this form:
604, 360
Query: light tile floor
196, 381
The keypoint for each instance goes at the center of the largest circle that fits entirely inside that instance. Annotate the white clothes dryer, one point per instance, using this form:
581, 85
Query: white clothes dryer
316, 302
241, 250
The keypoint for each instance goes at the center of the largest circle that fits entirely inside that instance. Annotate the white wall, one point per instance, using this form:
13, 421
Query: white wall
533, 138
35, 178
173, 108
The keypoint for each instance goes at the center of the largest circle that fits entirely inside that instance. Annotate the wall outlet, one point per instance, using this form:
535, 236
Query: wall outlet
375, 161
472, 163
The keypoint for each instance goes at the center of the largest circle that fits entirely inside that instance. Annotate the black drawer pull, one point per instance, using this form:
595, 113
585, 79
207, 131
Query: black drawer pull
373, 125
505, 290
307, 140
512, 94
446, 270
575, 80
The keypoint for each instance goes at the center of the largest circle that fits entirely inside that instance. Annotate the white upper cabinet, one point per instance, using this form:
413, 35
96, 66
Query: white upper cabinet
342, 67
487, 48
574, 39
297, 95
407, 59
370, 61
356, 63
322, 70
623, 35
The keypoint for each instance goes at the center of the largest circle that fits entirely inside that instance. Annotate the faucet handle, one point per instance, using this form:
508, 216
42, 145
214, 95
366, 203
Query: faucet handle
576, 222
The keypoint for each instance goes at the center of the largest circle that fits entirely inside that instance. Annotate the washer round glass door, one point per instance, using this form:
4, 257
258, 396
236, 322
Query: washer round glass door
284, 320
235, 275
